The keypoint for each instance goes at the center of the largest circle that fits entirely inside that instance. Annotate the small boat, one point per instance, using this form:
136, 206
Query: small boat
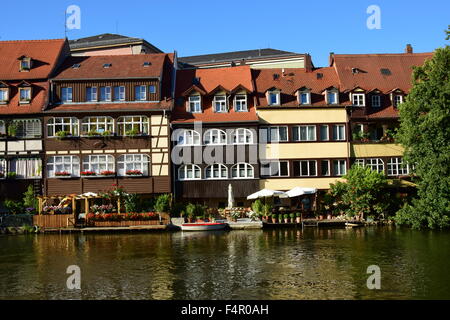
203, 226
353, 225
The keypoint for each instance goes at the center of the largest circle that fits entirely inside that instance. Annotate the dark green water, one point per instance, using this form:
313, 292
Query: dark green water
257, 264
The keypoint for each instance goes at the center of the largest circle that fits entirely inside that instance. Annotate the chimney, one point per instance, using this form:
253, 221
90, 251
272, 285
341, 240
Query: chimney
409, 48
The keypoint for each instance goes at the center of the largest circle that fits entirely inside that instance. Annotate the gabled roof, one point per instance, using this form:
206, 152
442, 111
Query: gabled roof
122, 66
44, 54
106, 39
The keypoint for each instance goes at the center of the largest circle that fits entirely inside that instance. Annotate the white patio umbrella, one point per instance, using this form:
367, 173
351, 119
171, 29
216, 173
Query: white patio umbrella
265, 193
299, 191
230, 196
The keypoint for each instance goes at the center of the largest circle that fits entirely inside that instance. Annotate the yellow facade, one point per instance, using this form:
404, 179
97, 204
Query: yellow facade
376, 150
306, 150
288, 184
301, 116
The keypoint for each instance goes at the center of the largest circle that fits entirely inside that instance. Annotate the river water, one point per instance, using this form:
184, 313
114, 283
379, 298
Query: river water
253, 264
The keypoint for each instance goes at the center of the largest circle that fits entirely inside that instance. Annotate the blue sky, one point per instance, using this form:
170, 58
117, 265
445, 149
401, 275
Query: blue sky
200, 27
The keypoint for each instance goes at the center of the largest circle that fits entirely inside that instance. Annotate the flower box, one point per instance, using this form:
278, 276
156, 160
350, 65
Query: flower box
88, 174
134, 173
107, 173
63, 174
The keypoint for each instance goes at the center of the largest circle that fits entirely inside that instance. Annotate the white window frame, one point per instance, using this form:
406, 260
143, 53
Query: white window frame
220, 103
94, 123
2, 127
184, 170
396, 103
127, 162
376, 164
219, 168
28, 128
95, 160
268, 134
396, 167
35, 172
218, 135
188, 137
94, 94
4, 95
334, 92
243, 134
3, 168
240, 102
143, 124
121, 95
376, 101
358, 99
274, 169
299, 131
277, 96
339, 162
140, 93
66, 94
247, 167
338, 137
27, 97
194, 105
72, 125
108, 94
308, 97
73, 162
308, 168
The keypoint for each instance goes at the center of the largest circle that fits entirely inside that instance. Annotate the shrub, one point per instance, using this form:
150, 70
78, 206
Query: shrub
163, 203
132, 203
29, 200
258, 207
14, 207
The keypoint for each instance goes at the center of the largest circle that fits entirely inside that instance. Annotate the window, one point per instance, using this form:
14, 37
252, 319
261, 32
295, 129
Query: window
324, 168
324, 132
26, 168
375, 164
97, 125
133, 163
397, 100
339, 167
220, 103
151, 89
216, 171
275, 169
332, 97
304, 97
25, 95
339, 132
25, 64
396, 167
63, 166
91, 93
274, 98
98, 163
119, 93
188, 138
305, 168
215, 136
66, 94
68, 125
376, 101
240, 102
358, 99
359, 162
2, 128
194, 103
274, 134
4, 95
189, 172
2, 168
304, 133
27, 128
140, 93
132, 125
105, 94
242, 171
243, 136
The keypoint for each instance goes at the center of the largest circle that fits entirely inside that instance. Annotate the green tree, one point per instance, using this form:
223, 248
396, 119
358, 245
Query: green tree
29, 199
425, 134
363, 193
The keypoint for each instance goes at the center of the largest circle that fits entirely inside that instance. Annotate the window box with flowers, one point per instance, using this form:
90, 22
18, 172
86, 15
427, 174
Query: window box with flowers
107, 173
63, 134
134, 173
63, 174
88, 174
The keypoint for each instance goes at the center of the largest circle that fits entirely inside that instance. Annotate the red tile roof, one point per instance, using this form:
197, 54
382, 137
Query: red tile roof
99, 107
44, 54
293, 79
228, 78
38, 99
122, 66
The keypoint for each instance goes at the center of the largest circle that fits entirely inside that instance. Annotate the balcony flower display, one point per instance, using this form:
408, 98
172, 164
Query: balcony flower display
62, 174
123, 217
105, 208
134, 173
88, 173
107, 173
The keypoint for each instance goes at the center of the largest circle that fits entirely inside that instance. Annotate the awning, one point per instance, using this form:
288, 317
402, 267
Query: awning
265, 193
299, 191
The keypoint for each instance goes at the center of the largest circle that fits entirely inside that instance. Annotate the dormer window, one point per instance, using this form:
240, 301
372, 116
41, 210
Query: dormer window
25, 95
25, 63
304, 96
66, 94
220, 103
332, 96
398, 99
4, 93
376, 101
240, 102
358, 99
194, 104
273, 97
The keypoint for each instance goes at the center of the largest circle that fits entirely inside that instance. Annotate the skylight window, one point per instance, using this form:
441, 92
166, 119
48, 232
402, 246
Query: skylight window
147, 64
76, 66
385, 72
107, 65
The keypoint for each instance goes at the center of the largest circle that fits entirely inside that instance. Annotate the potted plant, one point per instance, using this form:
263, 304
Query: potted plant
163, 203
286, 218
63, 134
274, 218
292, 216
190, 209
280, 218
106, 133
132, 132
258, 208
329, 216
298, 217
93, 133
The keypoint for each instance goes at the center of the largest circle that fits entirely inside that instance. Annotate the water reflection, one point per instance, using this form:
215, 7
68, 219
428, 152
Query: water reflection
254, 264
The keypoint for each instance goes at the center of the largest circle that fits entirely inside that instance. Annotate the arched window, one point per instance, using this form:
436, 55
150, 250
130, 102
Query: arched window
243, 136
98, 164
215, 136
97, 126
188, 138
63, 166
133, 165
189, 172
242, 171
216, 171
132, 125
